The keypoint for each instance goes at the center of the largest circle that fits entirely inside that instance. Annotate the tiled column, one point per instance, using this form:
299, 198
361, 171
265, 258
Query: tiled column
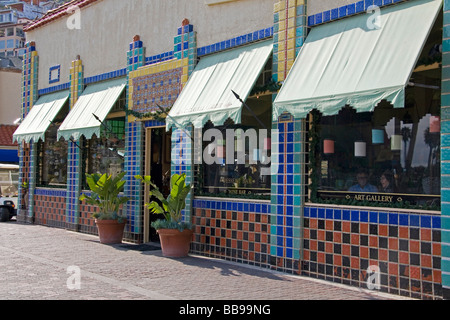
134, 150
182, 161
134, 147
185, 46
290, 30
27, 169
289, 33
445, 154
74, 163
287, 194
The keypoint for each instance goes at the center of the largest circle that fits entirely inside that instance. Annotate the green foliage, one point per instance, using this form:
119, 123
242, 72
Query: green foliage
164, 224
104, 194
157, 115
271, 86
171, 207
234, 196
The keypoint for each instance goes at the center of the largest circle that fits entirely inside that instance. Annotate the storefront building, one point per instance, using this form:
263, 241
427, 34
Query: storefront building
315, 134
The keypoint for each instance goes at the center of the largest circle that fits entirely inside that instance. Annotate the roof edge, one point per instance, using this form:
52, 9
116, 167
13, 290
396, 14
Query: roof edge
57, 13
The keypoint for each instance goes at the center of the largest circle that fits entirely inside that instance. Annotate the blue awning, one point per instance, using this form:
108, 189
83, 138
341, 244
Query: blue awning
9, 156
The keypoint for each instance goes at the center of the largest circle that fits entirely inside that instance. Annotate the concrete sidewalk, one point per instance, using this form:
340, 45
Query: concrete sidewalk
41, 263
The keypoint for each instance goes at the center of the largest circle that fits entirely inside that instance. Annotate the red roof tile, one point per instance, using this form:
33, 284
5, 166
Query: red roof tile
6, 135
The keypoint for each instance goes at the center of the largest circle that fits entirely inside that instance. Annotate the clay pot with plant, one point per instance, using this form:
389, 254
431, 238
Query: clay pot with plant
105, 195
174, 233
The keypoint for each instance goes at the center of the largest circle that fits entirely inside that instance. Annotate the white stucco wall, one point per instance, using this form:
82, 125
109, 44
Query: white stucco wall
108, 26
10, 95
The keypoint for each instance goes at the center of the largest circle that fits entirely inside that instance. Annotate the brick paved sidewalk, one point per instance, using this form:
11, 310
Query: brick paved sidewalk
35, 261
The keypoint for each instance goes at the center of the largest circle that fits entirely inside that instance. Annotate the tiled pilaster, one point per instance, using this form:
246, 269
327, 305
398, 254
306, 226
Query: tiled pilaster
134, 146
74, 163
27, 170
29, 77
182, 161
286, 194
289, 33
445, 155
185, 46
134, 150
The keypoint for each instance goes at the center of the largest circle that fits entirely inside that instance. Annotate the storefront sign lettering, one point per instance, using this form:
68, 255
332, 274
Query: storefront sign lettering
374, 197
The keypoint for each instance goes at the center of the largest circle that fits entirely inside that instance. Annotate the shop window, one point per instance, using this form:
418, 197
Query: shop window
246, 173
52, 158
105, 154
396, 151
389, 157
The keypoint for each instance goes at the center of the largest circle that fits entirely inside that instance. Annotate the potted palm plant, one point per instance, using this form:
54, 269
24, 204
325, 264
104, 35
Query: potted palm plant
105, 194
174, 233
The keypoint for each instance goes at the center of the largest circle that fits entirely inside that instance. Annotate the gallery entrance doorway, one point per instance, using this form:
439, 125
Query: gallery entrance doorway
157, 165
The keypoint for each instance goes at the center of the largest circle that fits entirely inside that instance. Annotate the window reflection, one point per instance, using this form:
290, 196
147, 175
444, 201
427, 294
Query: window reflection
393, 152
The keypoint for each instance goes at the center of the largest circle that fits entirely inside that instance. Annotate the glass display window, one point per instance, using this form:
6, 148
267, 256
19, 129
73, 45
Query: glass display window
389, 157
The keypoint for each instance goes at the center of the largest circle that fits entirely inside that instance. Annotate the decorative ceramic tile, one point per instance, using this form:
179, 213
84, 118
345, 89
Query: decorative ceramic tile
347, 10
289, 34
340, 245
445, 157
161, 89
235, 231
54, 74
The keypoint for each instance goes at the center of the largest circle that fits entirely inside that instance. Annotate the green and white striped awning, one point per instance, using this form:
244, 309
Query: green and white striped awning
37, 121
356, 62
97, 99
208, 93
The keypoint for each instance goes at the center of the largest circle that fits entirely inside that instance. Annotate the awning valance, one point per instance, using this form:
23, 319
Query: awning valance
208, 93
356, 62
44, 111
97, 99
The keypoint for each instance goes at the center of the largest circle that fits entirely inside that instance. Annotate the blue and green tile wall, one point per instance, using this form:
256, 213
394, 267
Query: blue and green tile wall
286, 193
185, 45
134, 150
29, 97
74, 165
182, 161
445, 155
289, 33
134, 145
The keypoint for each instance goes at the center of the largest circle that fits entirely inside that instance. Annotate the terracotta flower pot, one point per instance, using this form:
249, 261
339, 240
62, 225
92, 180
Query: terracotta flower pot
110, 231
175, 244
